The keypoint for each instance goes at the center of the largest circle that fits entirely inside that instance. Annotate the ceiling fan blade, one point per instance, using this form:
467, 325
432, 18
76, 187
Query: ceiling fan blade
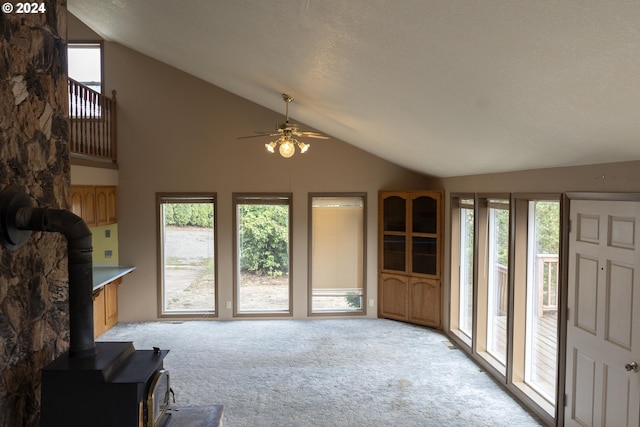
259, 134
288, 129
313, 135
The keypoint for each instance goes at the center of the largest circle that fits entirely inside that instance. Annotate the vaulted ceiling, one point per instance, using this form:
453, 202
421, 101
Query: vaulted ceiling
442, 87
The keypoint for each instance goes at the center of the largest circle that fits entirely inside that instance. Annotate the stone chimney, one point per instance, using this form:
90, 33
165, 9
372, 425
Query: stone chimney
34, 322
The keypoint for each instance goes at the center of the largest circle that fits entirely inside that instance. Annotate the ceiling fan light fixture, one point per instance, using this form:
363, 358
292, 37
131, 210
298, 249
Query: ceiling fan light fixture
303, 147
271, 146
286, 134
287, 149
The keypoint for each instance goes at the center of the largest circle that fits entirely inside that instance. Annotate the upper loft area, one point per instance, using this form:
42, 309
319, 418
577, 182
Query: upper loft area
92, 114
92, 127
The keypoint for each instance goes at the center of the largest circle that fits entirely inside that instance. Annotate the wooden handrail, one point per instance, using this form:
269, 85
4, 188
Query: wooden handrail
92, 123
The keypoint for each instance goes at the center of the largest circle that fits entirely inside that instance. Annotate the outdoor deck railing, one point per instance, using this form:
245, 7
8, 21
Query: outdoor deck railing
549, 272
547, 275
92, 123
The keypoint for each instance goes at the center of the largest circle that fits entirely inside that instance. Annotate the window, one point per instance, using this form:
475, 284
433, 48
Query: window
262, 254
187, 254
537, 273
505, 283
337, 253
497, 285
462, 264
85, 64
493, 283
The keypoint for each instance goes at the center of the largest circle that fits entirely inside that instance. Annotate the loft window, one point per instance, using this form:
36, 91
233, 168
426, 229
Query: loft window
85, 64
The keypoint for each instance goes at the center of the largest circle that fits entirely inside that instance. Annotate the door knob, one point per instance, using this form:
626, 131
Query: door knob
633, 366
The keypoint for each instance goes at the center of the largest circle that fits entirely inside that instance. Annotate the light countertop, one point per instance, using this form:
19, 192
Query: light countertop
105, 274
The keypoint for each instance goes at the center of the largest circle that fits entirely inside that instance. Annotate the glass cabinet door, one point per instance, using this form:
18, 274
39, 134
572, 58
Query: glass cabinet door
394, 223
425, 215
395, 216
394, 252
424, 256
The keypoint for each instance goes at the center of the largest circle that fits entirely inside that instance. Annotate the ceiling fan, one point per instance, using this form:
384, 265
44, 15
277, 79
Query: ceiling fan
287, 133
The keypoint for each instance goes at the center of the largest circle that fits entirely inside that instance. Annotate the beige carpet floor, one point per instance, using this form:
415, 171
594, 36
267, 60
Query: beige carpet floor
326, 372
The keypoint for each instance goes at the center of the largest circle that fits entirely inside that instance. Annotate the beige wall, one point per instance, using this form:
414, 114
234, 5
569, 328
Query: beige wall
84, 175
178, 133
611, 177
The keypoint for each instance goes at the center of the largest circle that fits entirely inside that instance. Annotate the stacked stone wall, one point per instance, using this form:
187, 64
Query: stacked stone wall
34, 327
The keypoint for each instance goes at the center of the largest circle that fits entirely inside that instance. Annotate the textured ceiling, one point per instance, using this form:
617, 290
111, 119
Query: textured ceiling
443, 87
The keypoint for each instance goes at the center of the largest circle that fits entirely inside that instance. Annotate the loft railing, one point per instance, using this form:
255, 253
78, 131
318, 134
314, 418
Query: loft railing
92, 123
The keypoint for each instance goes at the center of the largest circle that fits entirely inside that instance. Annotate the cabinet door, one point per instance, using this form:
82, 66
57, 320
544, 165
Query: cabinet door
89, 205
111, 302
99, 320
393, 296
76, 200
424, 301
394, 253
393, 231
112, 205
426, 234
425, 213
101, 206
394, 212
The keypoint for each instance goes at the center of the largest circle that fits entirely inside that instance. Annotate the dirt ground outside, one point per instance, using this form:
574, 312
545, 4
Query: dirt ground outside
190, 281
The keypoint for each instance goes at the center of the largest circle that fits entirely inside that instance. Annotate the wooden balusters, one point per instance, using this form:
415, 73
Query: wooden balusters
93, 122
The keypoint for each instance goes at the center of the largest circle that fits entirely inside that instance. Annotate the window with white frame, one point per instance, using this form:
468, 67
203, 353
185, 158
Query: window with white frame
462, 266
85, 64
536, 290
493, 283
511, 293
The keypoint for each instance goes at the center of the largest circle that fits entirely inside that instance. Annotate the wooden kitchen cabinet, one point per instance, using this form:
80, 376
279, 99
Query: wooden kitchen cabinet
101, 206
89, 206
105, 307
112, 204
97, 205
99, 323
76, 200
83, 203
111, 303
410, 256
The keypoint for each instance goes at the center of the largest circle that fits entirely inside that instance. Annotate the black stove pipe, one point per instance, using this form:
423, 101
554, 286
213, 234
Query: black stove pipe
17, 219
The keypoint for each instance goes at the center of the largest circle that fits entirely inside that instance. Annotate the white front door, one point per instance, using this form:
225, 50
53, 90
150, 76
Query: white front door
603, 333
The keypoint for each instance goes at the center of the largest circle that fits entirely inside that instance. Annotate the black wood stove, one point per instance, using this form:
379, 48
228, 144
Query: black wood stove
118, 386
103, 384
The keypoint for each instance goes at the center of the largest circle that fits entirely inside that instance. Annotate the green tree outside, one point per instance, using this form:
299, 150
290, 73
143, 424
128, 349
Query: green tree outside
189, 214
264, 239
